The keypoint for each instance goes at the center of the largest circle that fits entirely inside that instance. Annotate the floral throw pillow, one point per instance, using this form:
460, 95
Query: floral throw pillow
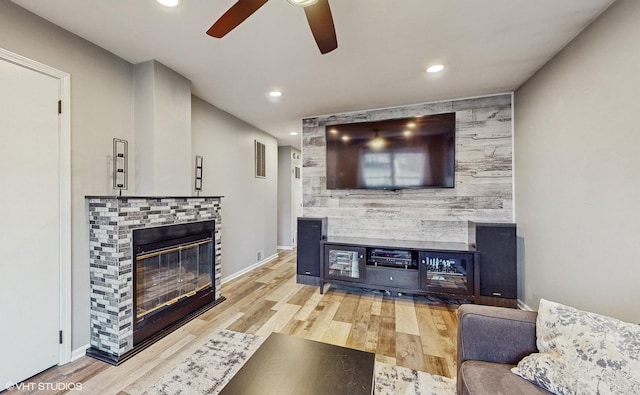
582, 353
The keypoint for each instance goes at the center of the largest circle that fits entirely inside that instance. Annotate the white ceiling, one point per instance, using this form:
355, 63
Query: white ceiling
487, 46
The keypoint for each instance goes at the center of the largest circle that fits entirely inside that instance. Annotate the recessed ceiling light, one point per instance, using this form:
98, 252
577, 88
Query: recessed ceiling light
275, 93
435, 68
170, 3
293, 134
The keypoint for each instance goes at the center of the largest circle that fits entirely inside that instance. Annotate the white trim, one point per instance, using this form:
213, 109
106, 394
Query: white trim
248, 269
64, 128
513, 158
288, 248
523, 306
79, 352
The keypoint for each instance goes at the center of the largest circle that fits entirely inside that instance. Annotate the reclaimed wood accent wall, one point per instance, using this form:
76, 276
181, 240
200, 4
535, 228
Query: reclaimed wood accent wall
483, 177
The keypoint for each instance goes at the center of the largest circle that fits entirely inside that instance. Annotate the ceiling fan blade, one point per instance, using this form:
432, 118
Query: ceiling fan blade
234, 16
321, 24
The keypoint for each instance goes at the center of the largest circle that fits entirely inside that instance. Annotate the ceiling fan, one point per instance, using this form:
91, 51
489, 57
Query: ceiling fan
317, 11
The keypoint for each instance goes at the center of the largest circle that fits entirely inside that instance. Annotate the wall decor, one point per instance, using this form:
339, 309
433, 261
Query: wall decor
120, 165
198, 176
261, 162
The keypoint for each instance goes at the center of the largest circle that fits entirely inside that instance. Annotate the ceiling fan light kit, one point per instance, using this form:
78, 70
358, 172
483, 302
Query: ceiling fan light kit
317, 12
302, 3
170, 3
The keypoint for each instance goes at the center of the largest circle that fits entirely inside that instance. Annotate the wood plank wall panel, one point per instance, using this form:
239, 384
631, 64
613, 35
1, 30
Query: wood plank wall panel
483, 181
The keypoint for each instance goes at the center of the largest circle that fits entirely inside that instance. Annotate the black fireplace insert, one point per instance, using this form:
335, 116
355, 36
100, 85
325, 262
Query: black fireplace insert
173, 275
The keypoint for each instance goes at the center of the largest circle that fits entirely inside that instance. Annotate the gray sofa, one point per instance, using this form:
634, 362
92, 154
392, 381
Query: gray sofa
491, 340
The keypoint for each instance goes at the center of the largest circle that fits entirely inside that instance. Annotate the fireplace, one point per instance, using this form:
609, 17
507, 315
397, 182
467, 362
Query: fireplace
172, 275
154, 264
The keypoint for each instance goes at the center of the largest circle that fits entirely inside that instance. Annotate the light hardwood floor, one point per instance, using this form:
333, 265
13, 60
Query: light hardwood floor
410, 331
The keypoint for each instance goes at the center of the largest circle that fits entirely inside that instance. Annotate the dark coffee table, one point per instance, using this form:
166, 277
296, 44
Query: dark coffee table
291, 365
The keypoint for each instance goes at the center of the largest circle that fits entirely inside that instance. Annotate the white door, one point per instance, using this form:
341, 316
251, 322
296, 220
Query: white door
30, 223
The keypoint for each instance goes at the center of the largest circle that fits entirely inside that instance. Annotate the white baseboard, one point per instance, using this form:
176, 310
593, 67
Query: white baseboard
288, 248
248, 269
79, 352
523, 306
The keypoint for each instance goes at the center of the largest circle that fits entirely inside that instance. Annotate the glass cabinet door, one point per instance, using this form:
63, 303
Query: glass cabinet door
343, 262
450, 273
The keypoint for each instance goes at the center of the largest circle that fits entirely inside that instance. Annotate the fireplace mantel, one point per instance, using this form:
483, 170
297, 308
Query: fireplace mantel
112, 220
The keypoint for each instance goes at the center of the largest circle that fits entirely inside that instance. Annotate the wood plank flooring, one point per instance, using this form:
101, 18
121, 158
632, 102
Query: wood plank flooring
411, 331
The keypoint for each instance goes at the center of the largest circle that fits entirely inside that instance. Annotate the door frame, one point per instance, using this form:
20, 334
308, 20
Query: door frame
64, 171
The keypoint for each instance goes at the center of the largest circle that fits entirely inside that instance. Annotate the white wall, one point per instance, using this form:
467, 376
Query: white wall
577, 170
172, 134
249, 207
101, 109
289, 196
285, 233
144, 127
296, 193
162, 131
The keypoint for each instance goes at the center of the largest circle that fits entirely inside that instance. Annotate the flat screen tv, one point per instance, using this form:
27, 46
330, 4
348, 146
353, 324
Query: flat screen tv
392, 154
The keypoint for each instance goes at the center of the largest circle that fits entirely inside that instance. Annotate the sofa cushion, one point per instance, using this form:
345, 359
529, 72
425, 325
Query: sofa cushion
583, 353
479, 377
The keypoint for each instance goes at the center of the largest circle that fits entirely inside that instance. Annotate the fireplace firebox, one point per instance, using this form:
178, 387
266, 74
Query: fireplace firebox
173, 274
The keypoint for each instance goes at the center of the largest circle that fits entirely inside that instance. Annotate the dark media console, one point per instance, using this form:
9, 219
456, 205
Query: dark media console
443, 269
482, 270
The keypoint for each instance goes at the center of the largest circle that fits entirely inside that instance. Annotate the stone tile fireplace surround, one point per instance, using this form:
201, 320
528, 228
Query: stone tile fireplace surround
112, 220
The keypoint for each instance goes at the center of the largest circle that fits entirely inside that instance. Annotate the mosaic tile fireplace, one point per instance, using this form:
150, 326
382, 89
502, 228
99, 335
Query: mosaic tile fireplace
171, 246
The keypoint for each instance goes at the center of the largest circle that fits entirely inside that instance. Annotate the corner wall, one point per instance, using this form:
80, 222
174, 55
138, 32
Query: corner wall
249, 206
162, 131
578, 170
483, 179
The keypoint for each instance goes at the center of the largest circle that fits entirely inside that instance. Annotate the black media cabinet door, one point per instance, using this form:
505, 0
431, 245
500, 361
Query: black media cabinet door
310, 232
392, 277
